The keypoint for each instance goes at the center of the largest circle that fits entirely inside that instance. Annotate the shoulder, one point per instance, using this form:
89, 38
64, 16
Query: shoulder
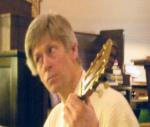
108, 96
106, 100
112, 107
54, 113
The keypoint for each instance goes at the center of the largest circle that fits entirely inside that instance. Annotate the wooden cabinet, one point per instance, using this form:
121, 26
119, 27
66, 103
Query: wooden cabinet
23, 100
146, 64
12, 31
90, 44
18, 7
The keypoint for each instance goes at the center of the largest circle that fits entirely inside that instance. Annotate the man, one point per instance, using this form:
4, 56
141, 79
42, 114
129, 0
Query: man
52, 52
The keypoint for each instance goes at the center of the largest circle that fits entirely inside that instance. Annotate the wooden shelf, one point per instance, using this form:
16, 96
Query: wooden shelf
146, 64
17, 7
142, 62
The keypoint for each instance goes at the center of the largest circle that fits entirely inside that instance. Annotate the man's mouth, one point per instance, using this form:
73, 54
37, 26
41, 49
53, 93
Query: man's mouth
50, 77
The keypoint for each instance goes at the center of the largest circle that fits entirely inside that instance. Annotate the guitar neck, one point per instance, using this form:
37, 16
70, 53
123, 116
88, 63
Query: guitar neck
96, 72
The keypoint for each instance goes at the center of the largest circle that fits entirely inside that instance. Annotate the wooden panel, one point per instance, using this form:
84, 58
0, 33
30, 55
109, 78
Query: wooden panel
12, 31
5, 25
4, 96
146, 64
16, 7
23, 99
85, 43
90, 44
118, 48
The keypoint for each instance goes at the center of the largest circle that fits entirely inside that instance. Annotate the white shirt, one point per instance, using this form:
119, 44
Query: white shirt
111, 108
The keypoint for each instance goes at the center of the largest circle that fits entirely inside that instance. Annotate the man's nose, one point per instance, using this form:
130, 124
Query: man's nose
47, 62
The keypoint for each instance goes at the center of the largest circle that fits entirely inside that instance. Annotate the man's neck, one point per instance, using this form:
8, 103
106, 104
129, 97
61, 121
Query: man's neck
75, 80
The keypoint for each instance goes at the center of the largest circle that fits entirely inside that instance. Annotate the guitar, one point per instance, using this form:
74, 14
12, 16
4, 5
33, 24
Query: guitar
96, 72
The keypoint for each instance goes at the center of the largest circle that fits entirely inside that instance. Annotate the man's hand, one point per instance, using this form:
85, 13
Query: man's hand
79, 113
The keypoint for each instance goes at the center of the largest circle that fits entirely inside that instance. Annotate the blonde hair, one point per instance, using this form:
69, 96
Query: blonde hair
57, 27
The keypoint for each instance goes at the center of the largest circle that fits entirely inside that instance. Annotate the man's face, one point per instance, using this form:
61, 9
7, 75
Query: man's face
54, 64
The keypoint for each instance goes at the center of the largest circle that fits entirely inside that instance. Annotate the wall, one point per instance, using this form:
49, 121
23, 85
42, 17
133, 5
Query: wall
91, 16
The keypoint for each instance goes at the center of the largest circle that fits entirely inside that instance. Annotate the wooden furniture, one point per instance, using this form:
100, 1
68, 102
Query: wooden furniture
16, 7
145, 124
90, 44
146, 64
15, 17
23, 100
143, 103
117, 36
35, 7
12, 31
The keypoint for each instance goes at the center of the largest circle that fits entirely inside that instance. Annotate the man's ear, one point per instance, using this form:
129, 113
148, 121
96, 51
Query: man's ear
74, 49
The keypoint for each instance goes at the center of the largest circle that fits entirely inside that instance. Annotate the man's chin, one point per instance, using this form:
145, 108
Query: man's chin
54, 89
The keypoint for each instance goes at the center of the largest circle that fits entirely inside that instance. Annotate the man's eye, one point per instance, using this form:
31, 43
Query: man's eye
50, 50
37, 59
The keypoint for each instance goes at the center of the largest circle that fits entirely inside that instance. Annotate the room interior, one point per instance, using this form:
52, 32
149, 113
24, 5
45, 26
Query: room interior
27, 101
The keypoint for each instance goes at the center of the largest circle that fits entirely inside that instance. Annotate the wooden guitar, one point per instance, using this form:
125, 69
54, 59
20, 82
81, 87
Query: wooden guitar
96, 72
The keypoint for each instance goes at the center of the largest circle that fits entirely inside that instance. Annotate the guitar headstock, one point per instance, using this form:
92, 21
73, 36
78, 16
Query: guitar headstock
96, 71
